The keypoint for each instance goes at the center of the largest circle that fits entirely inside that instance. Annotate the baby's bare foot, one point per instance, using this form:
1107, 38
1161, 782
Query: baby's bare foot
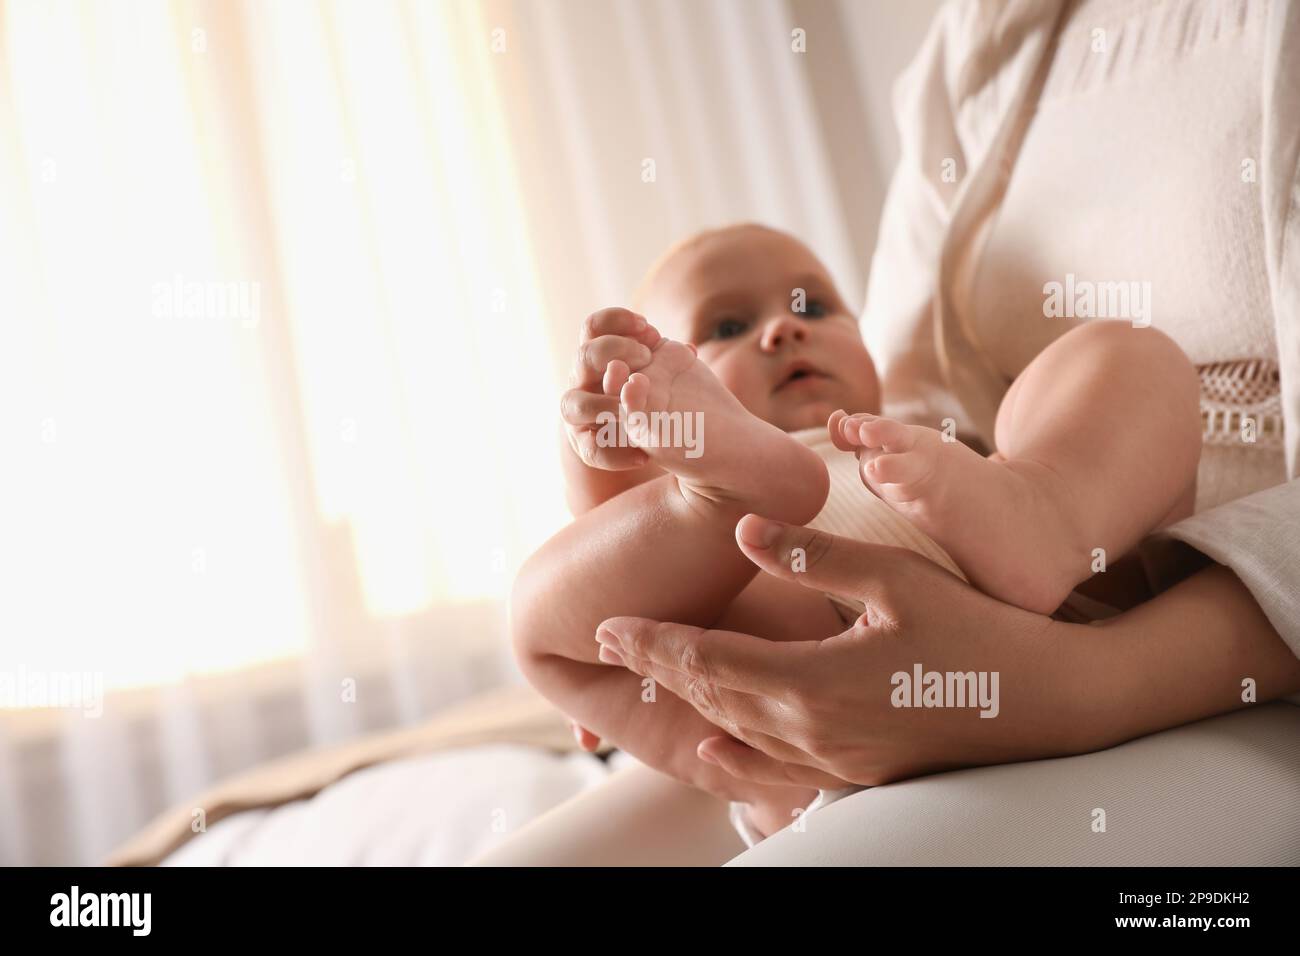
691, 426
1007, 524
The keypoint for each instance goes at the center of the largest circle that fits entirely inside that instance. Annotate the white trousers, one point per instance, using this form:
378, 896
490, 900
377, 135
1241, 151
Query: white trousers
1220, 792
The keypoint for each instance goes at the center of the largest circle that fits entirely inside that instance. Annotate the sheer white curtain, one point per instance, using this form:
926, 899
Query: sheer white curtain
289, 290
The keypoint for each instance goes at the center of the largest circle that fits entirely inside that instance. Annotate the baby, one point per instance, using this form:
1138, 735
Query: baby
1097, 445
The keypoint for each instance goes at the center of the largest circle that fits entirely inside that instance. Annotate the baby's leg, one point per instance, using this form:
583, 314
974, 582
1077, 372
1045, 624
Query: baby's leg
664, 550
1117, 409
1097, 445
649, 552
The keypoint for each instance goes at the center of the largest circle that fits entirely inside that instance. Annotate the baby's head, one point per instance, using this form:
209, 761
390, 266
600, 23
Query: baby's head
732, 293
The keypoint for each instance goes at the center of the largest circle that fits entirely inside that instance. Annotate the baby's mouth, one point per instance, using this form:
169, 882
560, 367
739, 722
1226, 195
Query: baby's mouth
799, 375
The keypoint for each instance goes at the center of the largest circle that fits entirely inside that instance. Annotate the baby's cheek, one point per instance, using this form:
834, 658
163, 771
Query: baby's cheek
862, 386
866, 396
744, 386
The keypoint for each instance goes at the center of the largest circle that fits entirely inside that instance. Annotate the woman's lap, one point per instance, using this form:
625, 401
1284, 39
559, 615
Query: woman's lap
1220, 792
638, 817
1224, 791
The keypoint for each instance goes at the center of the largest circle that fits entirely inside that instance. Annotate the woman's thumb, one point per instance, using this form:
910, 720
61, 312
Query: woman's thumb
812, 558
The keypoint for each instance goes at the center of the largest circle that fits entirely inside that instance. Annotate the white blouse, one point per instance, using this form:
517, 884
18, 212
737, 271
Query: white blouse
1165, 98
1140, 164
1106, 141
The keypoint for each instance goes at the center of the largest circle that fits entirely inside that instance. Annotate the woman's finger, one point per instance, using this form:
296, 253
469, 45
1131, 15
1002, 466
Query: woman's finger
720, 706
819, 560
741, 715
723, 659
748, 763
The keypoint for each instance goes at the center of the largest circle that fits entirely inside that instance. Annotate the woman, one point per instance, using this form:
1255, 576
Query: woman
1083, 144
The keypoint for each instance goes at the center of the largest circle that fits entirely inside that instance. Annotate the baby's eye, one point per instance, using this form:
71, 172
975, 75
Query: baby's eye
728, 328
814, 309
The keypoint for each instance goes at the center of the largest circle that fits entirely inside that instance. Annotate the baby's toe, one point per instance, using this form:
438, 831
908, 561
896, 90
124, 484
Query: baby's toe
906, 468
635, 392
886, 434
616, 375
847, 429
835, 427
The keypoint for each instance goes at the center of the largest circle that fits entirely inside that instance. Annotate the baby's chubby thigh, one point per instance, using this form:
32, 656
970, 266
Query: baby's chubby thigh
781, 611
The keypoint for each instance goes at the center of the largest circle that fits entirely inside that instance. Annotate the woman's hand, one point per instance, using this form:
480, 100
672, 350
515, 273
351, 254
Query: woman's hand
823, 713
770, 809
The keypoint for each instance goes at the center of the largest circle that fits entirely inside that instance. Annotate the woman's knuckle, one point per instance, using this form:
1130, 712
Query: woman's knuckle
802, 739
700, 694
693, 662
820, 746
816, 546
629, 643
793, 703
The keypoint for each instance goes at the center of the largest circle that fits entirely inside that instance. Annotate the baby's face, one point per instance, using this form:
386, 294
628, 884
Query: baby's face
733, 297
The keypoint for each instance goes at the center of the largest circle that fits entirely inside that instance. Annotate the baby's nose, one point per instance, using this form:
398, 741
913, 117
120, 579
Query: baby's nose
780, 331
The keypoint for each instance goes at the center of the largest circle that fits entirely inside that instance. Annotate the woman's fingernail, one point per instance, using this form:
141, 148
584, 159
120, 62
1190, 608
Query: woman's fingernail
638, 323
608, 655
758, 532
577, 735
707, 757
605, 636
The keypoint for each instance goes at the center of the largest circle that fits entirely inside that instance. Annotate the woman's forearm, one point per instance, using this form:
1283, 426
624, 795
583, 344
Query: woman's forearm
1185, 655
